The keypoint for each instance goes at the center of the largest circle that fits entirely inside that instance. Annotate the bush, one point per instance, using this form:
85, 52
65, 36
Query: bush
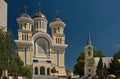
5, 77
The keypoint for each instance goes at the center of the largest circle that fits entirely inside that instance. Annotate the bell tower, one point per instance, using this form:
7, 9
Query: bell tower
89, 68
25, 26
24, 37
57, 28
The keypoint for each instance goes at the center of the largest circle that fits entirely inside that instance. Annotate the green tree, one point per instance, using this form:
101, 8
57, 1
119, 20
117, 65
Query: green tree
98, 53
7, 50
99, 70
105, 71
9, 60
26, 72
114, 67
79, 66
117, 55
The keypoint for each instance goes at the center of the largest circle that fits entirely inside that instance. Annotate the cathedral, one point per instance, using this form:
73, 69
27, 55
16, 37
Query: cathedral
40, 50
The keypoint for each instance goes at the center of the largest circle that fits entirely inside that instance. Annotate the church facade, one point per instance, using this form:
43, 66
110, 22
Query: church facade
40, 50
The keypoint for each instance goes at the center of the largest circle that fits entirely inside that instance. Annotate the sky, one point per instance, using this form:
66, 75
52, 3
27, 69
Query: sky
100, 18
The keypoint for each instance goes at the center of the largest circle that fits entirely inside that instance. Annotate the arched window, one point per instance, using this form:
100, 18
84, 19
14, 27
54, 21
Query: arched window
25, 24
88, 70
48, 71
58, 29
54, 30
36, 71
42, 71
88, 53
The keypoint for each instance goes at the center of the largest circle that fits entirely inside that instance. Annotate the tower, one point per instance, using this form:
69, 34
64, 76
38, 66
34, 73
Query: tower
57, 27
89, 68
24, 37
40, 22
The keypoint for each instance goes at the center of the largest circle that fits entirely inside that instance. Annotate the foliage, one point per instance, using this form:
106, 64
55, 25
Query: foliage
105, 71
26, 71
117, 55
7, 50
114, 67
99, 70
98, 53
81, 56
9, 59
79, 66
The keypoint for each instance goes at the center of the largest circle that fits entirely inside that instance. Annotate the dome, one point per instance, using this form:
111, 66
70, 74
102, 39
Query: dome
25, 15
39, 15
57, 19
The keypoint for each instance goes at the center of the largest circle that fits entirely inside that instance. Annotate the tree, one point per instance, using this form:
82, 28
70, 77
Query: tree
79, 66
7, 50
99, 70
114, 67
26, 71
117, 55
105, 71
9, 60
98, 53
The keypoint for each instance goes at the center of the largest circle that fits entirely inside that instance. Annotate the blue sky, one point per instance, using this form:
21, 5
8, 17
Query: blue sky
99, 17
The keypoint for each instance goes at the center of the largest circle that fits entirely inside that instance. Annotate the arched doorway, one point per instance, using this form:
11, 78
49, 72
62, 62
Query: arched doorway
36, 70
42, 71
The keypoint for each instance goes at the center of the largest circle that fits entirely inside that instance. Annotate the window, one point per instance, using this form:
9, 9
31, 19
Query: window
58, 52
88, 53
56, 40
42, 46
60, 40
24, 36
20, 26
37, 25
88, 70
48, 71
42, 71
43, 24
25, 24
36, 71
35, 60
25, 55
89, 47
54, 30
58, 29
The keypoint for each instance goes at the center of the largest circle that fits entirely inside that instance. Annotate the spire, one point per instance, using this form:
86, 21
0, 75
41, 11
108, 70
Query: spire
39, 7
57, 13
89, 40
25, 8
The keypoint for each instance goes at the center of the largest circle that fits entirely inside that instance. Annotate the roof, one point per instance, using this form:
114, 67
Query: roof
106, 60
25, 15
57, 19
39, 15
